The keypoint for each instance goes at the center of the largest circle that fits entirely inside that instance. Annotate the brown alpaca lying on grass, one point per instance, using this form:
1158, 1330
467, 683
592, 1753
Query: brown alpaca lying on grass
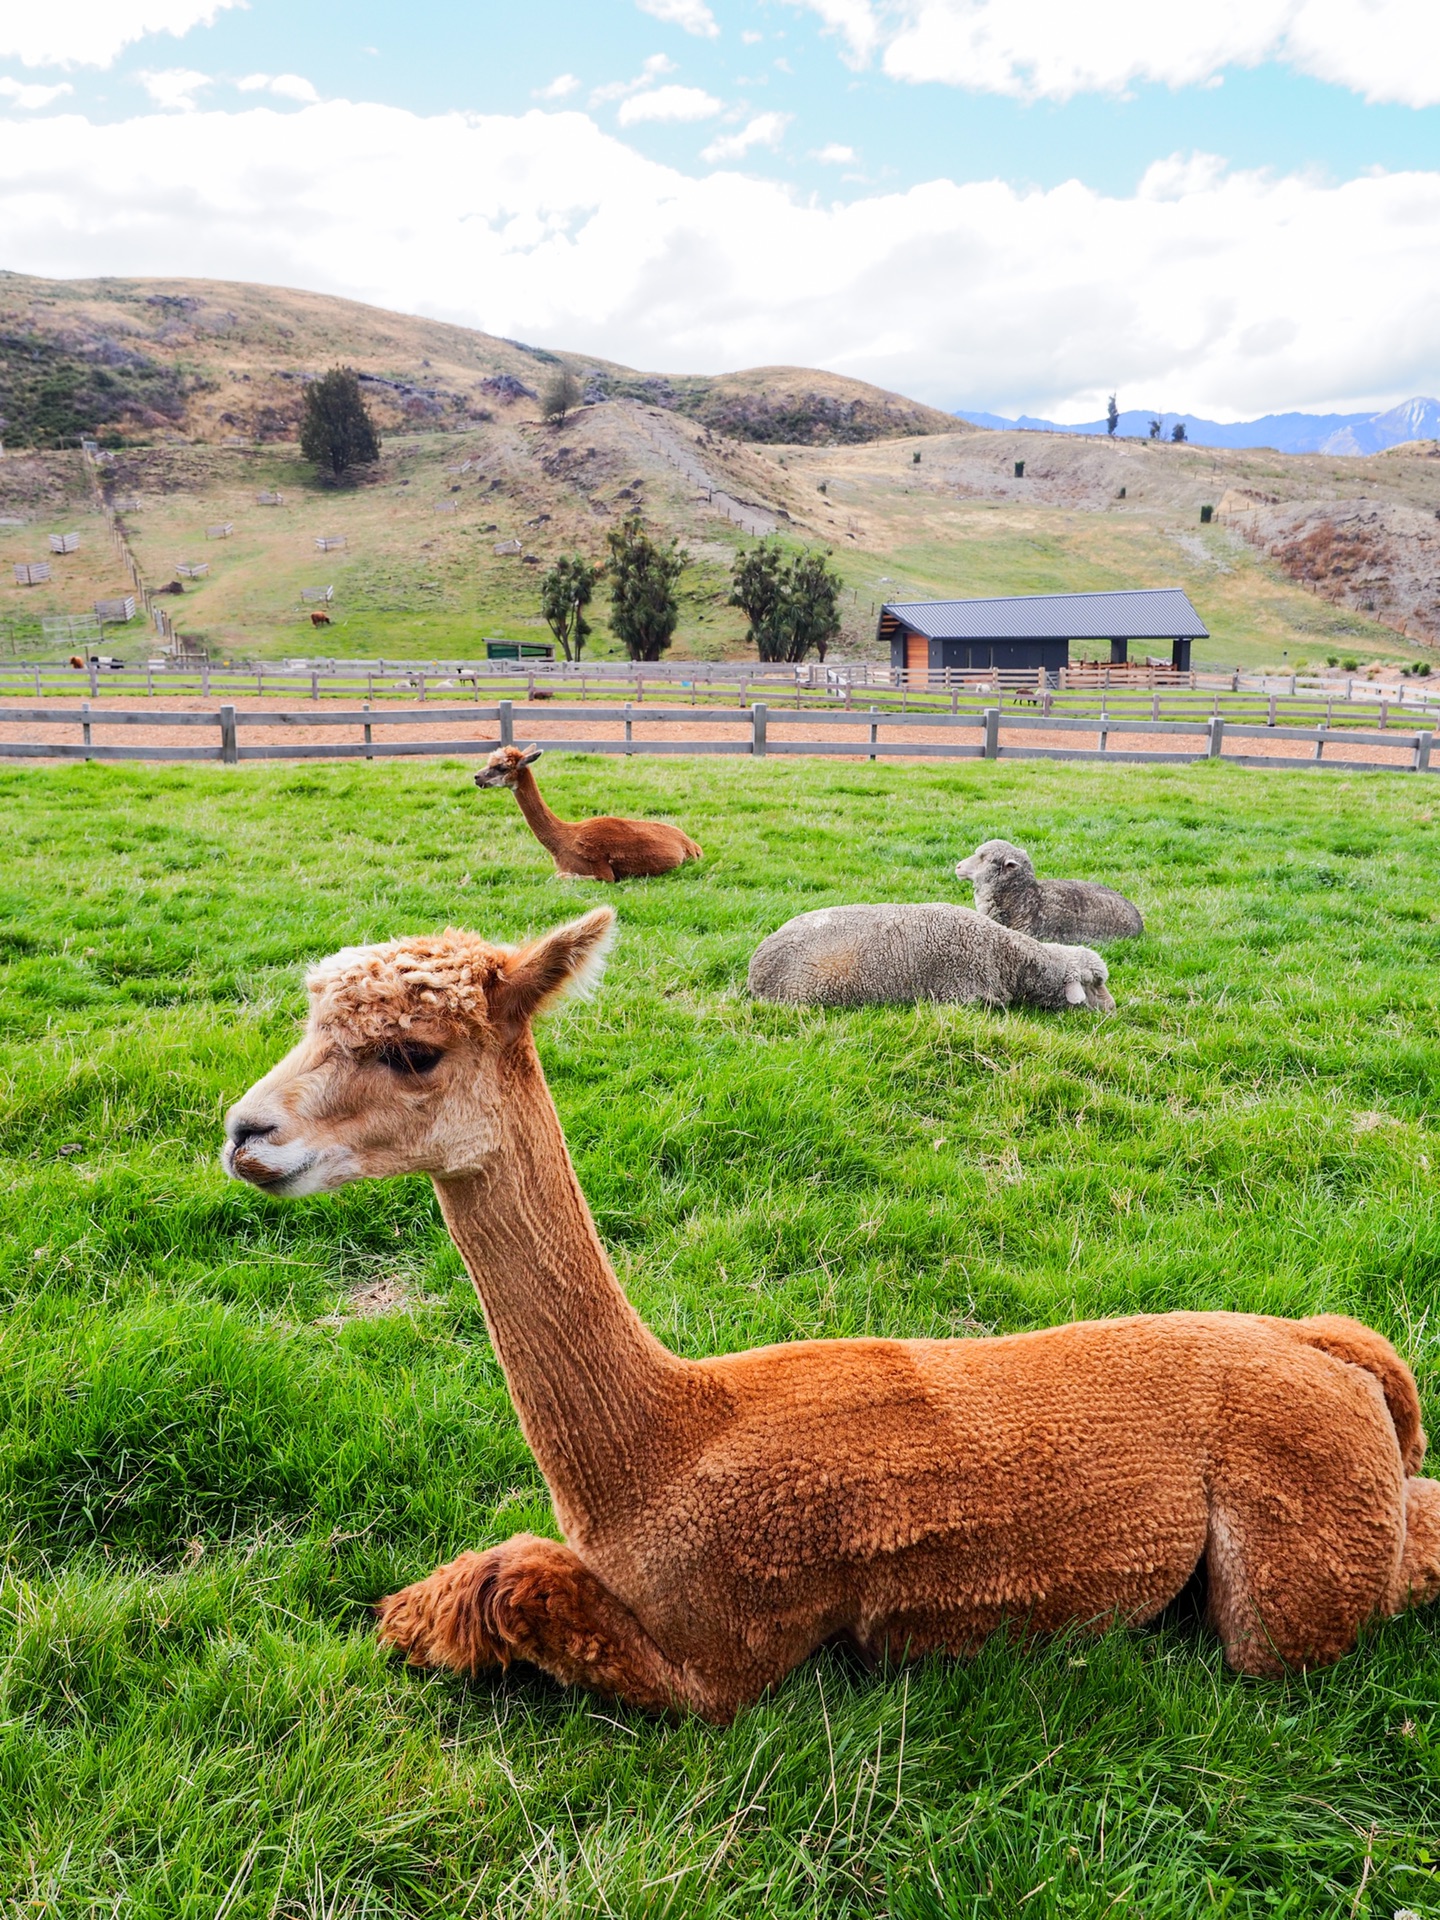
724, 1517
606, 848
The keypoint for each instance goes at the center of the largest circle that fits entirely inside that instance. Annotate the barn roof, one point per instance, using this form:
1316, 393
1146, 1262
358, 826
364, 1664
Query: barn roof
1144, 613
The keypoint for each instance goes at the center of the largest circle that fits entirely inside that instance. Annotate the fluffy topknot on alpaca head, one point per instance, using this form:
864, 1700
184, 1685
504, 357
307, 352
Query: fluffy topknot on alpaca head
505, 766
362, 996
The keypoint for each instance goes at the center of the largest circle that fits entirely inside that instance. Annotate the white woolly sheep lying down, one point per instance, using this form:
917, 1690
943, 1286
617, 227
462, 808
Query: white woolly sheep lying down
854, 956
1006, 890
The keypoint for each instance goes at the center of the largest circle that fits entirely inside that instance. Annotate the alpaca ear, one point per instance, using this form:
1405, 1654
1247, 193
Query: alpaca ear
567, 960
529, 756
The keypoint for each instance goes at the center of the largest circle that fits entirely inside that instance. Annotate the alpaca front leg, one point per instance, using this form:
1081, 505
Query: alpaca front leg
534, 1600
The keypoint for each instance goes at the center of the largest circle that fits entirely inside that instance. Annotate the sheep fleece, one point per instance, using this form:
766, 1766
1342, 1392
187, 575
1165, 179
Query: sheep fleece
861, 955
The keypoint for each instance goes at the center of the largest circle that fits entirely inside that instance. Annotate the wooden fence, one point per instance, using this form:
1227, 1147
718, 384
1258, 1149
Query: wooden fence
761, 731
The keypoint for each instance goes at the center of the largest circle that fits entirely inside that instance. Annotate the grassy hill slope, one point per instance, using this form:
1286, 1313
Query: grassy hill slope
1311, 556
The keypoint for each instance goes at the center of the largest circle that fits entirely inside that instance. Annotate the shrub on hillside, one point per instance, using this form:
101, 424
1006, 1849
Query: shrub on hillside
337, 432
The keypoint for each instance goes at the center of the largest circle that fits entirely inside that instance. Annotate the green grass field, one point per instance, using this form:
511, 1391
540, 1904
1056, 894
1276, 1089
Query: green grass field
213, 1458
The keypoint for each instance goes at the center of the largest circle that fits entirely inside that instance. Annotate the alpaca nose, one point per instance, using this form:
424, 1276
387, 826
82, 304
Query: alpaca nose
242, 1133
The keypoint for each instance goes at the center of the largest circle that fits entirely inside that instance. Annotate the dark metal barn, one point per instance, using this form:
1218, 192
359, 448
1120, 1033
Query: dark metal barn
1034, 630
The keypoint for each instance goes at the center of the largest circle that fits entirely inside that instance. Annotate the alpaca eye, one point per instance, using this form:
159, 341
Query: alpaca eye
408, 1059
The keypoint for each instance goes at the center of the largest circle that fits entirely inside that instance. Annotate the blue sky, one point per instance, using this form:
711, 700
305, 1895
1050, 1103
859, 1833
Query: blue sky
1004, 203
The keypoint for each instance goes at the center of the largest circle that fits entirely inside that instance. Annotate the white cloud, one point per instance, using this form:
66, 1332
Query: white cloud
749, 38
92, 33
765, 130
1387, 50
693, 15
668, 103
286, 86
175, 88
1210, 290
560, 88
855, 21
834, 155
33, 96
655, 68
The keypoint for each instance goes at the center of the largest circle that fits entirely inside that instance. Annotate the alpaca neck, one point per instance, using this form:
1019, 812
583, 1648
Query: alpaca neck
595, 1391
548, 828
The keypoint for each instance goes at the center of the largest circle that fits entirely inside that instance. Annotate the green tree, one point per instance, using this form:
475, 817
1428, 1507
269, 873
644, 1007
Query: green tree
1155, 426
792, 604
1177, 432
561, 397
1112, 417
644, 611
565, 591
337, 432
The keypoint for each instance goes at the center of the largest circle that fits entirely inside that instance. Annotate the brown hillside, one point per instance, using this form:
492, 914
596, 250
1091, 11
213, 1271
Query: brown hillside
206, 360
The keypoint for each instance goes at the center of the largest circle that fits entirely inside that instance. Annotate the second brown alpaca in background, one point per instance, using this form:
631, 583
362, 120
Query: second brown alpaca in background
605, 848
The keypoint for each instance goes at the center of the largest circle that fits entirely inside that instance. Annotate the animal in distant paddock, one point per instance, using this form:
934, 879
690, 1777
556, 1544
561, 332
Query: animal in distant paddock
1007, 891
867, 955
722, 1518
605, 848
319, 619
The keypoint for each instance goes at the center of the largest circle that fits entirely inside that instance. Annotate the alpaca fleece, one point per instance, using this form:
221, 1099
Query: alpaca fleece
724, 1517
1006, 890
605, 848
853, 956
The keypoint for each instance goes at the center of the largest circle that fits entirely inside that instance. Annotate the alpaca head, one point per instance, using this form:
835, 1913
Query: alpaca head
505, 766
994, 862
402, 1067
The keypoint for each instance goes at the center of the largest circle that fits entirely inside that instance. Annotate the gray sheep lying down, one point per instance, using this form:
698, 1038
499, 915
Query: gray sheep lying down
858, 956
1006, 890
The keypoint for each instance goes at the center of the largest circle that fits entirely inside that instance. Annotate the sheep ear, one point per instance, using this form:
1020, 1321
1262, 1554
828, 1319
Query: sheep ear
567, 960
1009, 861
529, 756
1075, 993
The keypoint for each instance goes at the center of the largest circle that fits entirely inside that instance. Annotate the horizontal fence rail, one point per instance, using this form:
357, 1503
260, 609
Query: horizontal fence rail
1243, 705
759, 730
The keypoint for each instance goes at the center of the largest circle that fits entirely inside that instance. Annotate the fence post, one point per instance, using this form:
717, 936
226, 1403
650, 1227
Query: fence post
759, 715
368, 754
94, 690
874, 731
314, 686
85, 726
507, 724
1216, 730
992, 733
629, 729
229, 748
1422, 752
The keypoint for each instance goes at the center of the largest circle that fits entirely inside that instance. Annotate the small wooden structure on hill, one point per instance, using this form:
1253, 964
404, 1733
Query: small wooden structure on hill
269, 499
1034, 630
31, 573
192, 569
327, 542
64, 542
221, 532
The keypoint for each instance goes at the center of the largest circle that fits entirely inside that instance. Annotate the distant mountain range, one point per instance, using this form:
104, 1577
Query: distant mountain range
1286, 432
